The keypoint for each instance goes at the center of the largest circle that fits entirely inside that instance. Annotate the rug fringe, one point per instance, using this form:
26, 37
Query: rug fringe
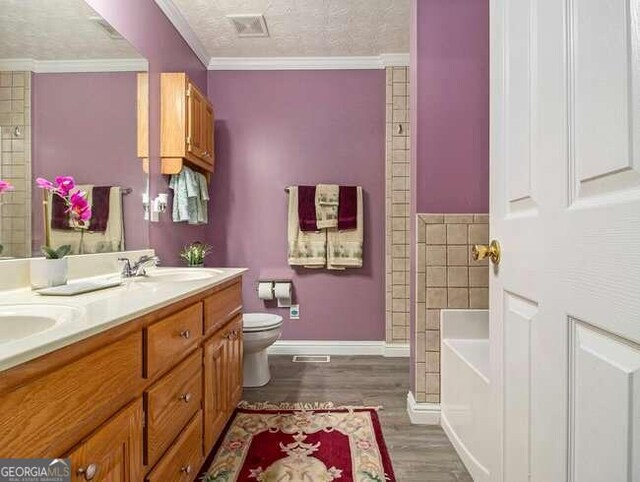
301, 406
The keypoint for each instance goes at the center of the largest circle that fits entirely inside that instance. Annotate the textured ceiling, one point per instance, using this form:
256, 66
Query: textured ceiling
302, 28
56, 30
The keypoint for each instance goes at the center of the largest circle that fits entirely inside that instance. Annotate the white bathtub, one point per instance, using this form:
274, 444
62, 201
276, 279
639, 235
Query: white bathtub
465, 387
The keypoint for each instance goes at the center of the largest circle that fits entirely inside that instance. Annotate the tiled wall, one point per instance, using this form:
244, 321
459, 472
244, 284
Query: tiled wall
15, 163
397, 205
447, 277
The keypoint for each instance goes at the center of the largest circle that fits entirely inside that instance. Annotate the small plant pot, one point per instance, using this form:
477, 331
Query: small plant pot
46, 273
201, 265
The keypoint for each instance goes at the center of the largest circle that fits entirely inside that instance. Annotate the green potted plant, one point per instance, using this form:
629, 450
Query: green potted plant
195, 253
52, 269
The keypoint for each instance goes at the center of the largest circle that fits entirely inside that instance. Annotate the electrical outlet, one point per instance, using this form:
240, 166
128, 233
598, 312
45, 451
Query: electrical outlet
294, 312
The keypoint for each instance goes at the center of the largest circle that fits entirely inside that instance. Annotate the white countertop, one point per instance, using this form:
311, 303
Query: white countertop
101, 310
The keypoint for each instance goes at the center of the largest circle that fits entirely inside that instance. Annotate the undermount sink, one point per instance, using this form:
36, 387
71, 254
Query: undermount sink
179, 275
22, 321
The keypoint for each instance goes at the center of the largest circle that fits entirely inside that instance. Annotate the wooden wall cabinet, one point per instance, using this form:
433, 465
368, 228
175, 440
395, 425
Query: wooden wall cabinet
187, 119
144, 401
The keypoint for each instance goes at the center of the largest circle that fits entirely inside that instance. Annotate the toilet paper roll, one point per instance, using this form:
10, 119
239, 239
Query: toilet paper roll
283, 290
265, 291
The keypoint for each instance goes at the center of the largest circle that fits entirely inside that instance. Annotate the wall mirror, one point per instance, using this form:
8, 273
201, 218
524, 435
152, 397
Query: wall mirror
70, 93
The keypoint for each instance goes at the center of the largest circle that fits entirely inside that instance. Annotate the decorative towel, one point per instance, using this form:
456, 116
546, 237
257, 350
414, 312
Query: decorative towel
100, 209
348, 208
344, 248
308, 249
112, 239
307, 208
190, 197
327, 198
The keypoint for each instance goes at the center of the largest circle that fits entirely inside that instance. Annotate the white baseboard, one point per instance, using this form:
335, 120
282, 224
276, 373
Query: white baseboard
338, 348
478, 472
422, 413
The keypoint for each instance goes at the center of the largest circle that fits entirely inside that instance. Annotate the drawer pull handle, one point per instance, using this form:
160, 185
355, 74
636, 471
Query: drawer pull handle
186, 469
186, 334
186, 397
89, 472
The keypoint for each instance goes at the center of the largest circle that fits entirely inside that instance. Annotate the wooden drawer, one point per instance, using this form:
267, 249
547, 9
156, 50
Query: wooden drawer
50, 414
169, 340
171, 403
222, 306
114, 451
182, 461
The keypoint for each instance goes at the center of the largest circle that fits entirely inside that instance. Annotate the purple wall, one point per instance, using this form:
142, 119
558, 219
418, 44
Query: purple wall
279, 128
144, 25
452, 131
85, 126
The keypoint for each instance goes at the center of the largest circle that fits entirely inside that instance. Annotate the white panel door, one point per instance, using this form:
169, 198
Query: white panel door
565, 206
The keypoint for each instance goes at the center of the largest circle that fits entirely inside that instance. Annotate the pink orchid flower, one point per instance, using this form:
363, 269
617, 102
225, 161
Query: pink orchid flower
5, 186
75, 200
79, 207
65, 184
44, 184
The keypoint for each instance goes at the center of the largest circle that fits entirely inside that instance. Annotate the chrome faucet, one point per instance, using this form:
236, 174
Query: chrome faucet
137, 269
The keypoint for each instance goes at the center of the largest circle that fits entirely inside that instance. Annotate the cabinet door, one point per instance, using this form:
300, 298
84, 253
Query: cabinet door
114, 452
195, 134
235, 363
207, 123
215, 388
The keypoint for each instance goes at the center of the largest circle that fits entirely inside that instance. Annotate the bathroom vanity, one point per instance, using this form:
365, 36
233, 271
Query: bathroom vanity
146, 395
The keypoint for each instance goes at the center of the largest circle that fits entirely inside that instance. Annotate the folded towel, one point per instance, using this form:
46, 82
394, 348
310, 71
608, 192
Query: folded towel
348, 208
100, 209
308, 249
344, 248
327, 198
307, 208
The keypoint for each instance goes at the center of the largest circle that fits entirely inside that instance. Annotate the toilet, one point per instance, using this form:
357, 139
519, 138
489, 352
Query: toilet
261, 330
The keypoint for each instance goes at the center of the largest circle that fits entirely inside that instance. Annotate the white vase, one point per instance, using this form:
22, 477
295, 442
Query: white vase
46, 273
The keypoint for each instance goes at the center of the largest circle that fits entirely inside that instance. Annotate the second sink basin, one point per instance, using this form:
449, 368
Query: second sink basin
22, 321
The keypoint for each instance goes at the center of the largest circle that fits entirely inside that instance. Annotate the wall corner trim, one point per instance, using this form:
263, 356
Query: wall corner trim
422, 413
338, 348
182, 26
309, 63
74, 66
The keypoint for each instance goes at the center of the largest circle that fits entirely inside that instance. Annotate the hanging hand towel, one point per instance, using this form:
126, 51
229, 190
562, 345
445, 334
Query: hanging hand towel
203, 198
186, 197
344, 248
308, 249
327, 198
307, 208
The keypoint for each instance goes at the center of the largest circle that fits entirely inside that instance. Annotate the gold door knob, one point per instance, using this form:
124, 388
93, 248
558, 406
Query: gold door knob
482, 251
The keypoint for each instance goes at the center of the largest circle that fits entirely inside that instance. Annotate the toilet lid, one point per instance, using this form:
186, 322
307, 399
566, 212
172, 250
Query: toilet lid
260, 321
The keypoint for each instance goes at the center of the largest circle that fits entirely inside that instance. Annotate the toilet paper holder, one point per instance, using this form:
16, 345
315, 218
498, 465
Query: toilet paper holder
283, 302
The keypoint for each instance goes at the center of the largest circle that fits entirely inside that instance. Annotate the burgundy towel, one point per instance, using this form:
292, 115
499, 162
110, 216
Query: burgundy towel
59, 215
99, 208
348, 208
307, 208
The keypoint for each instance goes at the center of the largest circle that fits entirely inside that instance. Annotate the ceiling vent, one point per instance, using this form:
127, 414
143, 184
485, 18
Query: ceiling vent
106, 26
249, 25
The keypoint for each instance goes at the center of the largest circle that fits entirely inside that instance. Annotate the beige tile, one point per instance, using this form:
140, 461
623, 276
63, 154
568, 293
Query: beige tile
421, 287
399, 305
421, 317
436, 234
420, 377
436, 276
458, 218
18, 79
436, 297
399, 319
431, 398
478, 276
432, 361
399, 74
398, 332
421, 258
457, 276
458, 298
433, 340
433, 320
420, 347
479, 298
457, 255
400, 89
5, 79
421, 232
432, 218
432, 383
456, 233
478, 234
436, 256
481, 218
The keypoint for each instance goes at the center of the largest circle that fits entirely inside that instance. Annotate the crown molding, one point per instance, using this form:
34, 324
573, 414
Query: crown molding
308, 63
66, 66
183, 27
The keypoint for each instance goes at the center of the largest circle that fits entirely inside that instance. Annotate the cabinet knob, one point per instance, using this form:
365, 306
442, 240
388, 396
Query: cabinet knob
186, 334
186, 397
185, 469
89, 472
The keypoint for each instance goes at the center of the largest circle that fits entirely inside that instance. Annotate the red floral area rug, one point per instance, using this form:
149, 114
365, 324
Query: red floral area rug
302, 443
